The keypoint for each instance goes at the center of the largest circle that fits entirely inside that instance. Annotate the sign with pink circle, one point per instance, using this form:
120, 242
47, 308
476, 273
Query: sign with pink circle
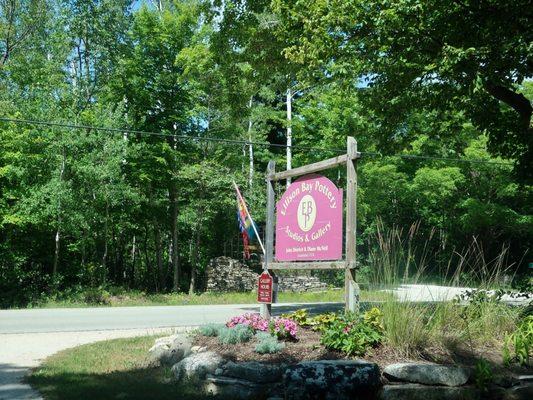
309, 221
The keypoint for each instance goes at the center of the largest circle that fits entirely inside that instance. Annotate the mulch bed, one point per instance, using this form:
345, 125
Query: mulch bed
306, 348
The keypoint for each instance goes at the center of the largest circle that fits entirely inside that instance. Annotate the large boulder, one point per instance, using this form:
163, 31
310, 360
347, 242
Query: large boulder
170, 350
427, 374
253, 371
522, 392
196, 366
331, 379
222, 387
412, 391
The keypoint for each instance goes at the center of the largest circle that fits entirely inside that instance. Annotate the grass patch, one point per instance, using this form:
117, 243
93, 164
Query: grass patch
412, 329
138, 298
114, 369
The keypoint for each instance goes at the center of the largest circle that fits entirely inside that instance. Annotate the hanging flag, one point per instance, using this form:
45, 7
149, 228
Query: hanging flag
246, 224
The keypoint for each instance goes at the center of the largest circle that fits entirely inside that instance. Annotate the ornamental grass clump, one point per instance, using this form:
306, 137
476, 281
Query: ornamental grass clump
236, 334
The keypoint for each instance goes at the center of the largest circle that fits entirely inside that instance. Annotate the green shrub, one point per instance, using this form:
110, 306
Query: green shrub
353, 335
97, 296
519, 344
299, 316
374, 318
483, 375
323, 321
210, 329
268, 344
237, 334
317, 323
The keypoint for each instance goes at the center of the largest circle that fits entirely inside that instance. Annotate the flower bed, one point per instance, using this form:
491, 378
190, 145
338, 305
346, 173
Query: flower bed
283, 328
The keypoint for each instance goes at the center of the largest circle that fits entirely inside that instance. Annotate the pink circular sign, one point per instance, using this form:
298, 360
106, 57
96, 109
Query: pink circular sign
309, 221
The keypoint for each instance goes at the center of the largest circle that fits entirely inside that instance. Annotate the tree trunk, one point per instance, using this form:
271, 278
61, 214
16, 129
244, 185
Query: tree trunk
106, 227
59, 218
160, 281
146, 256
192, 286
251, 148
517, 101
174, 233
133, 260
56, 252
289, 133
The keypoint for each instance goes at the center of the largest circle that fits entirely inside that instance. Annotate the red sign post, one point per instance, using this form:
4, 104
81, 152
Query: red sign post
264, 289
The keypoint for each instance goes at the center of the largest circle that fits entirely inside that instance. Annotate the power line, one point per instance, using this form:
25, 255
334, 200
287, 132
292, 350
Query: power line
244, 142
161, 134
460, 160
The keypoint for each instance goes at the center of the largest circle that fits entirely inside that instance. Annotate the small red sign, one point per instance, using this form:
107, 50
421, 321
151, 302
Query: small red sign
264, 289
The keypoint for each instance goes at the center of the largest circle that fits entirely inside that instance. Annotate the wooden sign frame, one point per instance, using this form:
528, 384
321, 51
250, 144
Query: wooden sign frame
351, 289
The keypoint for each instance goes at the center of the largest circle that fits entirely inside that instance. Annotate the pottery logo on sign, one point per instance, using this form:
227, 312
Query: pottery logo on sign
309, 221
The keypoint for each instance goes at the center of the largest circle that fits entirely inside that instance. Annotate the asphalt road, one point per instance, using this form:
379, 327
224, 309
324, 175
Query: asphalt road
112, 318
29, 336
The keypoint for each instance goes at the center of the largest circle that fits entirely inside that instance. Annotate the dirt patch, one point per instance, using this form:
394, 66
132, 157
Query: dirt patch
306, 348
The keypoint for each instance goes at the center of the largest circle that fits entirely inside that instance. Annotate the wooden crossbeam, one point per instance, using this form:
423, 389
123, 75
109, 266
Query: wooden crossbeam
308, 265
310, 168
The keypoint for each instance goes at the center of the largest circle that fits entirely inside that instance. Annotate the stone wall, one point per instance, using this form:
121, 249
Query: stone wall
217, 377
300, 284
226, 274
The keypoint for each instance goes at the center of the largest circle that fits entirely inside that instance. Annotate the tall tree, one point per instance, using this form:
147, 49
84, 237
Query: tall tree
465, 55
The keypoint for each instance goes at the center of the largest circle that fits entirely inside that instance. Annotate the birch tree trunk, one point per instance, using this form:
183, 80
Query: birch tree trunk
59, 217
133, 260
251, 147
289, 133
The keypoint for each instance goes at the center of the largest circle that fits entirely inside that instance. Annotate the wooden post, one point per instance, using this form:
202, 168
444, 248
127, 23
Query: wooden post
351, 289
266, 309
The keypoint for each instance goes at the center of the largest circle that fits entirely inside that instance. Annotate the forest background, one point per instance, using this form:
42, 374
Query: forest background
199, 93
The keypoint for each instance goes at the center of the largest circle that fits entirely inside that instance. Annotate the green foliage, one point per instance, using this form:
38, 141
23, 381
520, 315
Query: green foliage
210, 329
415, 55
353, 335
104, 369
374, 318
237, 334
268, 344
97, 296
147, 212
317, 323
300, 316
483, 374
323, 321
518, 346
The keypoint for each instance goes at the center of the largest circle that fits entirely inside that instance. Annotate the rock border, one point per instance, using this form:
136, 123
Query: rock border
327, 379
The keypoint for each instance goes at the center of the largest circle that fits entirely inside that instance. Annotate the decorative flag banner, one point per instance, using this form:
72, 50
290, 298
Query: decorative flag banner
309, 221
246, 224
